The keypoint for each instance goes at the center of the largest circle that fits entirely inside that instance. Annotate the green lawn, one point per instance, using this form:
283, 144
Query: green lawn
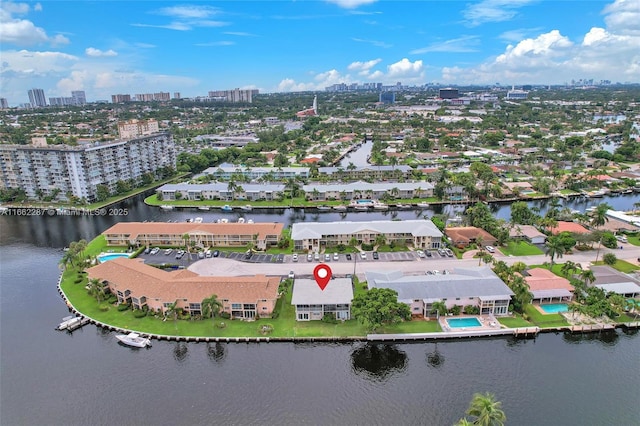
544, 320
520, 248
514, 322
634, 239
621, 265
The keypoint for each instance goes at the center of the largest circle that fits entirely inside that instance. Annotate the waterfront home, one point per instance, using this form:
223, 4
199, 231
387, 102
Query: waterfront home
220, 191
367, 172
572, 227
314, 236
615, 281
527, 233
360, 190
312, 303
228, 172
478, 286
142, 285
463, 236
545, 286
262, 235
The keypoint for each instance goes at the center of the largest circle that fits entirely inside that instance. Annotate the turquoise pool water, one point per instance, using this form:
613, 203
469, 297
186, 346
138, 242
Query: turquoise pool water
105, 257
554, 308
364, 202
463, 322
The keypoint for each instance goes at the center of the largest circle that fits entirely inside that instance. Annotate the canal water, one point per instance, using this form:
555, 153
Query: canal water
87, 378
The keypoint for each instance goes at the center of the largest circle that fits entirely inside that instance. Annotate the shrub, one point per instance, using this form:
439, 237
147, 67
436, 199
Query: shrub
123, 307
112, 299
367, 247
221, 324
275, 315
225, 315
139, 313
265, 329
103, 307
78, 280
329, 318
610, 259
455, 310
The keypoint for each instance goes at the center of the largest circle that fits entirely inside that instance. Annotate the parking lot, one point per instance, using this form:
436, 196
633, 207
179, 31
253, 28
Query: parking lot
189, 258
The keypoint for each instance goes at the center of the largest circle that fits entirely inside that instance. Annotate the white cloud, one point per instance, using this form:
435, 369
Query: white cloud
22, 32
239, 33
376, 43
515, 36
406, 69
623, 16
545, 45
461, 44
363, 66
493, 11
91, 51
186, 18
216, 43
176, 26
189, 11
351, 4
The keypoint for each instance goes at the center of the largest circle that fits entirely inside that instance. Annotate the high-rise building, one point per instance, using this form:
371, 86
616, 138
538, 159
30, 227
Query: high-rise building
37, 99
449, 93
176, 95
79, 97
3, 103
235, 95
61, 170
387, 97
134, 128
117, 99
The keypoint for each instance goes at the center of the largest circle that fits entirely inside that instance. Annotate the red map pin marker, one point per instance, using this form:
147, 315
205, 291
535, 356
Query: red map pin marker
322, 274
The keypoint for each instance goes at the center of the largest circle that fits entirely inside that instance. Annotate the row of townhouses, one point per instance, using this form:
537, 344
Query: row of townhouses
220, 191
78, 170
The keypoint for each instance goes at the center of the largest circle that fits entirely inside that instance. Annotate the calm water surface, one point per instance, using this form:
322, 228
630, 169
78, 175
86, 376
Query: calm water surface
86, 378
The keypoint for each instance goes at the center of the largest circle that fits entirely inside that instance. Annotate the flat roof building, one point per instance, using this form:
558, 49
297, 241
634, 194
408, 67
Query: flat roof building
313, 303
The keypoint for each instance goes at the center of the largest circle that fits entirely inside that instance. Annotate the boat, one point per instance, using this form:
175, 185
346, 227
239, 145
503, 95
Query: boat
250, 221
403, 206
380, 206
423, 205
197, 220
340, 208
241, 220
226, 208
361, 207
246, 208
134, 339
166, 207
69, 322
323, 208
204, 208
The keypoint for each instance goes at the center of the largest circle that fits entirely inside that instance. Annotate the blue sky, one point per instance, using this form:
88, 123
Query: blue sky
109, 47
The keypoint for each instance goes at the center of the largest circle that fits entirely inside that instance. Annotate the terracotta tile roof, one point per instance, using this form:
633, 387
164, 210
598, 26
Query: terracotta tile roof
543, 279
573, 227
133, 229
145, 280
465, 234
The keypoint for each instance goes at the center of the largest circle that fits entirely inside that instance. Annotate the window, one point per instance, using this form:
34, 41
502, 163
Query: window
264, 308
236, 306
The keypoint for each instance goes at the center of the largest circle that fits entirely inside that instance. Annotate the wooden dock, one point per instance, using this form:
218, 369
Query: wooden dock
517, 332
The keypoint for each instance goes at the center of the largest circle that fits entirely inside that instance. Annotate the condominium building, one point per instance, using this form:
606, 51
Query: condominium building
61, 170
134, 128
262, 235
315, 236
365, 190
4, 104
226, 172
367, 172
221, 191
116, 99
37, 98
235, 95
79, 97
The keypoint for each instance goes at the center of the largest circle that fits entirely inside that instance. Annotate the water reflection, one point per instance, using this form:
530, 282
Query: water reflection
180, 351
434, 358
606, 338
378, 361
216, 352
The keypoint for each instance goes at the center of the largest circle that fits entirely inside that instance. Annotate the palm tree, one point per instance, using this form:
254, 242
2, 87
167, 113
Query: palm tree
587, 276
568, 267
486, 410
211, 306
555, 248
439, 307
598, 219
96, 289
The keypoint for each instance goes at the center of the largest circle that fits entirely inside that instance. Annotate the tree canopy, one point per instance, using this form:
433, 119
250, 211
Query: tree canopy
379, 306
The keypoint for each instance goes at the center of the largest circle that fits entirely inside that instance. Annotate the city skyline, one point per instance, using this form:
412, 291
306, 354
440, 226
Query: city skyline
194, 48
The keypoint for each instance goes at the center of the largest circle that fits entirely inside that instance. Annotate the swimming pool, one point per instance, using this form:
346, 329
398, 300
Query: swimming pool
463, 322
364, 202
105, 257
554, 308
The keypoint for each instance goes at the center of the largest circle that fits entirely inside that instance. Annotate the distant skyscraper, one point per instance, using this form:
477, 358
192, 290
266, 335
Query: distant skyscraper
37, 99
449, 93
3, 103
176, 95
116, 99
79, 97
387, 97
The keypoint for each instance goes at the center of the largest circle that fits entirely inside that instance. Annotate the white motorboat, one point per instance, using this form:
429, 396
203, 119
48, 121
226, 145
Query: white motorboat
69, 322
246, 208
226, 208
134, 339
380, 206
204, 208
166, 207
340, 208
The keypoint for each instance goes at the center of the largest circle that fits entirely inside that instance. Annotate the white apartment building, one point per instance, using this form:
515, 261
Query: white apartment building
227, 171
63, 170
134, 128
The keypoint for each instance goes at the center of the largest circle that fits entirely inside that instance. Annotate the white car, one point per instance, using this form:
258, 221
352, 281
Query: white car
294, 257
336, 256
622, 238
420, 253
292, 275
363, 255
490, 249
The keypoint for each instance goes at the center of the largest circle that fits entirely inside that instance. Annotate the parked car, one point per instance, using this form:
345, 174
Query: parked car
200, 255
207, 253
155, 251
448, 252
292, 275
348, 256
441, 252
363, 255
420, 253
622, 238
179, 254
294, 257
316, 256
168, 251
309, 257
327, 257
147, 250
216, 253
336, 256
490, 249
248, 254
427, 253
375, 255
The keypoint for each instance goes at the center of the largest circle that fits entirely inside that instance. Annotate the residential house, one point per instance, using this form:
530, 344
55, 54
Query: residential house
146, 286
611, 280
313, 303
262, 235
478, 286
572, 227
464, 236
547, 286
316, 236
220, 191
368, 172
365, 190
528, 233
